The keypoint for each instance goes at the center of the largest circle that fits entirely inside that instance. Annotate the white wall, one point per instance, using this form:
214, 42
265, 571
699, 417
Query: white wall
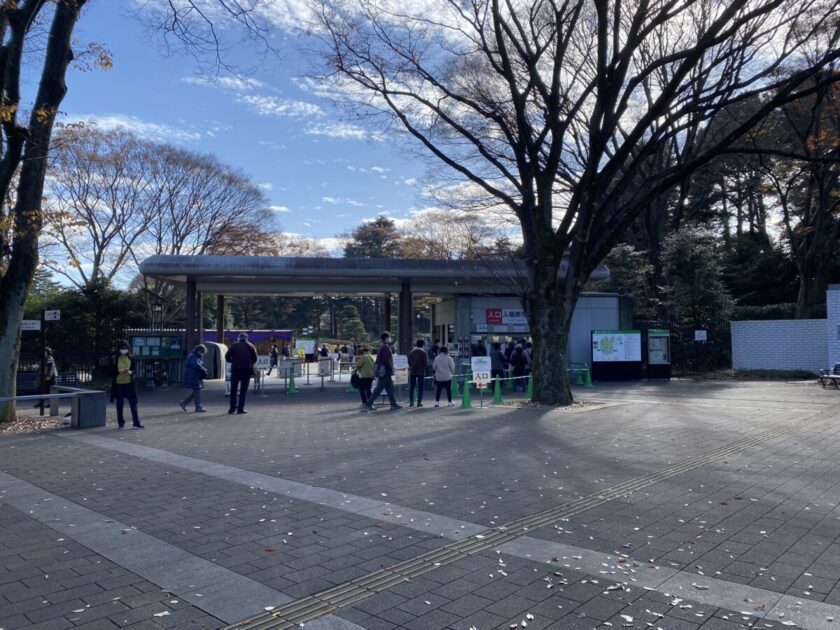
783, 344
593, 312
832, 298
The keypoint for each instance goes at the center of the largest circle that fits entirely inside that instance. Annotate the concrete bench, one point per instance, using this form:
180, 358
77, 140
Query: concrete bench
87, 406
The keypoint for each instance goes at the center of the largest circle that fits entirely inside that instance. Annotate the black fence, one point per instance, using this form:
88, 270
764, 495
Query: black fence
694, 349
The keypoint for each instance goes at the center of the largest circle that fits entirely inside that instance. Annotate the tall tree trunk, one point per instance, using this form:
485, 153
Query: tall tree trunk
549, 320
28, 218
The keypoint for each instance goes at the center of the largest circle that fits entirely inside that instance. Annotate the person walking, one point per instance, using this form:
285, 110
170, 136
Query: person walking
274, 354
242, 356
519, 366
194, 375
444, 368
384, 370
122, 385
365, 369
418, 361
50, 375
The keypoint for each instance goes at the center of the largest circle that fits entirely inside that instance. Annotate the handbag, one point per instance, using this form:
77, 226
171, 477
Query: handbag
355, 379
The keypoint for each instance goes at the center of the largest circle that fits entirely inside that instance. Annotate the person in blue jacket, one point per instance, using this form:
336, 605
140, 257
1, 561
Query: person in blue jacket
194, 375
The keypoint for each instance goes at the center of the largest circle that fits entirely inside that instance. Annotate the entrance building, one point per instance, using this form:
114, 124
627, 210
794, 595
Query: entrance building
479, 297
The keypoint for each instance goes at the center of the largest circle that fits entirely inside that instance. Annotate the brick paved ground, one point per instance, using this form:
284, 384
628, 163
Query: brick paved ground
199, 489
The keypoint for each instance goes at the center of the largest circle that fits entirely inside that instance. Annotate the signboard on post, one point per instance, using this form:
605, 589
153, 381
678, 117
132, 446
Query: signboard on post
400, 361
481, 371
616, 355
307, 345
52, 316
30, 324
263, 362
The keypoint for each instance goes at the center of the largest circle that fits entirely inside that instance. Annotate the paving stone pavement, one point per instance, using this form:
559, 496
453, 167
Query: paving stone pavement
763, 518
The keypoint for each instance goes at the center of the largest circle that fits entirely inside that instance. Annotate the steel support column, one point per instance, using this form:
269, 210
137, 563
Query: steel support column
199, 312
386, 313
220, 319
189, 317
406, 318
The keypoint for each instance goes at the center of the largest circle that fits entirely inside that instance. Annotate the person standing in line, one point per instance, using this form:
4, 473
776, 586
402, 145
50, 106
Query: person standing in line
242, 357
384, 373
194, 375
418, 361
518, 364
365, 369
273, 356
324, 352
287, 354
444, 368
497, 361
122, 385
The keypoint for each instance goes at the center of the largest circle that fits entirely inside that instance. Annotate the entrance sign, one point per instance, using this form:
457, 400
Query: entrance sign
52, 316
506, 316
263, 362
30, 324
481, 371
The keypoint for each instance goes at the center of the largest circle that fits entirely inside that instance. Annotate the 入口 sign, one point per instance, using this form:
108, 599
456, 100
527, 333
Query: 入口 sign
505, 316
480, 371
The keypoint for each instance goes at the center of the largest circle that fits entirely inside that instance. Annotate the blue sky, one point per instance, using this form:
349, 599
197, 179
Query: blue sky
322, 173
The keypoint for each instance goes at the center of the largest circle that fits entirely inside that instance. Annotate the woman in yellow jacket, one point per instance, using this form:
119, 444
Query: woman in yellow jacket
364, 370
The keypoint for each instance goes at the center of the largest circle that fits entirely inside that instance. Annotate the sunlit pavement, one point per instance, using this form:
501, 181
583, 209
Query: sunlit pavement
683, 505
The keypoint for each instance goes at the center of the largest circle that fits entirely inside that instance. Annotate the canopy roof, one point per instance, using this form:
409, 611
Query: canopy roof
302, 276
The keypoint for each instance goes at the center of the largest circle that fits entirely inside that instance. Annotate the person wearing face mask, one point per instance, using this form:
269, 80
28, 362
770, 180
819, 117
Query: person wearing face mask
194, 375
122, 385
384, 370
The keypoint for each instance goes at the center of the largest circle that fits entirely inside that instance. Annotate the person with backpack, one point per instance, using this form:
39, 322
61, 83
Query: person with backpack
418, 361
384, 370
519, 366
194, 375
497, 361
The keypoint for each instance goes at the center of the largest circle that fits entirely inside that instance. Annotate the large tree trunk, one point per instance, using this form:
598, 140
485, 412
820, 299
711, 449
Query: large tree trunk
28, 218
549, 319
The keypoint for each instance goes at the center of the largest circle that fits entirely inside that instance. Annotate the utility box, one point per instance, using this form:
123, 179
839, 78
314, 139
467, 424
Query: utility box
659, 354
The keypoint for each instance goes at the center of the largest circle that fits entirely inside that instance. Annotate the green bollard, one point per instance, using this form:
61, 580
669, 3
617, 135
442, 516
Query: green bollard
466, 403
530, 392
291, 389
497, 392
587, 377
455, 390
578, 377
509, 383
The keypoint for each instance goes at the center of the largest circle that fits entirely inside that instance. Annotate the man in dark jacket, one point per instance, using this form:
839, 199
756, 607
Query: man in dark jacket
418, 361
242, 356
384, 370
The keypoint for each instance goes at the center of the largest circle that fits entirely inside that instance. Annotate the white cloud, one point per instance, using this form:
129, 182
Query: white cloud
266, 186
343, 131
342, 201
280, 107
230, 82
278, 208
143, 128
411, 181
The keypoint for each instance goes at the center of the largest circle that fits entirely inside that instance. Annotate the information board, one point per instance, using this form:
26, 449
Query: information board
263, 362
400, 361
610, 346
307, 345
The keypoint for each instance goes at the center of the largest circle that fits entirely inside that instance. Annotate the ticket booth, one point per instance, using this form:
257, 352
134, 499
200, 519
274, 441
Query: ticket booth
659, 354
